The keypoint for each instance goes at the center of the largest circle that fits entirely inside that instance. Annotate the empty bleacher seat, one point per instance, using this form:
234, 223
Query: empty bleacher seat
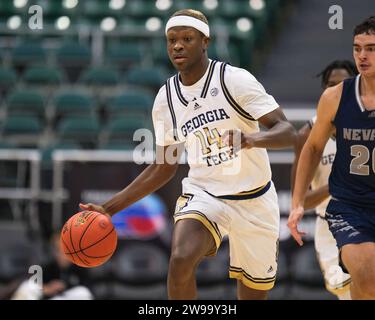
125, 55
42, 76
100, 76
121, 129
80, 129
18, 125
8, 78
26, 102
28, 53
152, 78
72, 103
131, 103
73, 57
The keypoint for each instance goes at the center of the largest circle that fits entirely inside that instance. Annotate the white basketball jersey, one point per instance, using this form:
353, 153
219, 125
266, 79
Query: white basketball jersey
224, 98
323, 171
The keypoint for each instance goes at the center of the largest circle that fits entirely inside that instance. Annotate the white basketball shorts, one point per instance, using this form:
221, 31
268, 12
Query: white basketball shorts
252, 226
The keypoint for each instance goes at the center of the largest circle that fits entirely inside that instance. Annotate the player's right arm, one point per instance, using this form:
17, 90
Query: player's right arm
151, 179
156, 175
311, 154
313, 197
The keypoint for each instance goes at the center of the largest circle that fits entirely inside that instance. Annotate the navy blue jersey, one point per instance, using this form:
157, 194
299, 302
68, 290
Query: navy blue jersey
352, 179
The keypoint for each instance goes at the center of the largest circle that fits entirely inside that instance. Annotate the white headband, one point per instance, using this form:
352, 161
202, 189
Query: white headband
187, 21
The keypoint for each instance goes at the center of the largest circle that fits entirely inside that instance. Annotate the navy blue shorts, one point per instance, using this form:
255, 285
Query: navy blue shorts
349, 223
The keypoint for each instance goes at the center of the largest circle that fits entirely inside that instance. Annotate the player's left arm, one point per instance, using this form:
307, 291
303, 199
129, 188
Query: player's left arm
253, 99
280, 133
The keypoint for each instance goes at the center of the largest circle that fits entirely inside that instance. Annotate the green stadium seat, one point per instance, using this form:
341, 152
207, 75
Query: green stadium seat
26, 102
42, 76
147, 77
8, 78
79, 129
22, 125
66, 104
122, 129
73, 57
100, 76
132, 103
125, 55
28, 53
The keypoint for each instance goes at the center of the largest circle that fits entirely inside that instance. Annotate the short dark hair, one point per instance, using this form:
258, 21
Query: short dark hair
367, 27
337, 64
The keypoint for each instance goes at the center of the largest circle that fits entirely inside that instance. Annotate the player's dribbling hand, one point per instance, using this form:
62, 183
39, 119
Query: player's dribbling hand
295, 216
93, 207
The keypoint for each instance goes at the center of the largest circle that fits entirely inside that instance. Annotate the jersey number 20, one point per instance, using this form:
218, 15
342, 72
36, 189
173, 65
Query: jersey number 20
361, 155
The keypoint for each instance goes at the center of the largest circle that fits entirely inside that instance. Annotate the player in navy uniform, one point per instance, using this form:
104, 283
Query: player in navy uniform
348, 108
337, 281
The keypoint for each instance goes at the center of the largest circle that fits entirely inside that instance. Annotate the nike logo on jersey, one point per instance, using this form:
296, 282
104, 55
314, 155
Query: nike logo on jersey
372, 114
203, 119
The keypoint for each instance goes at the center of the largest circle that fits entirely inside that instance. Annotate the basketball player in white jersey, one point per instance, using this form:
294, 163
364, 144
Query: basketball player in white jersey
228, 190
337, 281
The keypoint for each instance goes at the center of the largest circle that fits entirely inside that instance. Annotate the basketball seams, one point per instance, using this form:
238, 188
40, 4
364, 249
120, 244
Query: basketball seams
83, 233
91, 245
66, 246
71, 242
82, 250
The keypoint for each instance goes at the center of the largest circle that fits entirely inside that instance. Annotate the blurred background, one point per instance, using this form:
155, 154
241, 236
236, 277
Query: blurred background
73, 92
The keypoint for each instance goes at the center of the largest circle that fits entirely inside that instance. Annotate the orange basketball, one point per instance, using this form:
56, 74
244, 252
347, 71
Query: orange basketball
88, 239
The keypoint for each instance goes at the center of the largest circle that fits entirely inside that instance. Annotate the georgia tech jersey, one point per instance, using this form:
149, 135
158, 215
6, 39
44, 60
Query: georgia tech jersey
324, 170
224, 98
